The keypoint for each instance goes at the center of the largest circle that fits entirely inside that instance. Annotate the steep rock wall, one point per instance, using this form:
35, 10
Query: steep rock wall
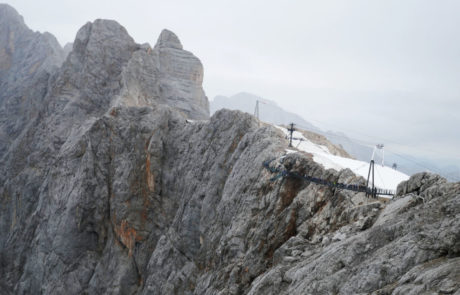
110, 189
27, 59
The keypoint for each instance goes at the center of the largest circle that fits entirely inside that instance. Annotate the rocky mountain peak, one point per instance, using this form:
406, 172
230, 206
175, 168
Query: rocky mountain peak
106, 188
23, 51
103, 37
9, 15
27, 59
169, 40
112, 69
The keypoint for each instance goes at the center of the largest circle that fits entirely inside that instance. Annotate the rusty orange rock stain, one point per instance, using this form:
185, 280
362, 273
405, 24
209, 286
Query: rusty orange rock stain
127, 235
150, 179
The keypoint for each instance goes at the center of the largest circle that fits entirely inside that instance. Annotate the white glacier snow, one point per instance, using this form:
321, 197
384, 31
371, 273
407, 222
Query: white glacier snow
385, 177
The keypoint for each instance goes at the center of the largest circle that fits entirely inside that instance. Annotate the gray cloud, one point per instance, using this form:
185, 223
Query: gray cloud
389, 69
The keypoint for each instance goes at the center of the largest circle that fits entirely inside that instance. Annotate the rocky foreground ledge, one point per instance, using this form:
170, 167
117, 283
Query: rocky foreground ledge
146, 202
108, 187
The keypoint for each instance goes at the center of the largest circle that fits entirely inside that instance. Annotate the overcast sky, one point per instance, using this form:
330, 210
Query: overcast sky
389, 69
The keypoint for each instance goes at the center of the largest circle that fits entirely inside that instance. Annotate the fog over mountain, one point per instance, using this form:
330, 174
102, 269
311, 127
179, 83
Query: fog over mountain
115, 179
270, 112
389, 65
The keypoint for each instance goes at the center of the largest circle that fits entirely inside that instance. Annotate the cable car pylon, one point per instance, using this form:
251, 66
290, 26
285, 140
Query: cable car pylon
373, 191
291, 130
256, 110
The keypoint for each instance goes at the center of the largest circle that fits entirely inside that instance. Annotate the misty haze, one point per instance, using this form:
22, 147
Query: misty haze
237, 147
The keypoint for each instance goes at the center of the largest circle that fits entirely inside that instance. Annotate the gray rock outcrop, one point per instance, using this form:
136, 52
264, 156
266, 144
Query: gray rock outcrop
181, 76
166, 74
108, 188
27, 59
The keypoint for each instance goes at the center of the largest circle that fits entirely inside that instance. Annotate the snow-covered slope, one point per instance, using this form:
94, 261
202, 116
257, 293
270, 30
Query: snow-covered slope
385, 177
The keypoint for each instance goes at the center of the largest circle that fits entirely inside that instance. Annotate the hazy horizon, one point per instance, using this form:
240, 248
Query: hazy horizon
383, 68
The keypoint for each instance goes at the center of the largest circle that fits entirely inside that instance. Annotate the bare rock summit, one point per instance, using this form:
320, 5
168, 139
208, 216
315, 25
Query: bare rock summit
168, 39
107, 187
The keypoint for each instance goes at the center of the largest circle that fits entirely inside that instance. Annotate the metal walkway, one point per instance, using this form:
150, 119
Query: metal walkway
351, 187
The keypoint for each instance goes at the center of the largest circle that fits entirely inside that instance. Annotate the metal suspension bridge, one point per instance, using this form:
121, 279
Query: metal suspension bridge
369, 188
370, 191
404, 158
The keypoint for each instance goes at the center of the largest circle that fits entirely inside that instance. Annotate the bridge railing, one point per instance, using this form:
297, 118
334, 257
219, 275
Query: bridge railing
352, 187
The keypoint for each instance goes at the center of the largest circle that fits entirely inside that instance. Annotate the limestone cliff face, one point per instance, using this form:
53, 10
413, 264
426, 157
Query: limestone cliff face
109, 189
24, 53
26, 60
166, 74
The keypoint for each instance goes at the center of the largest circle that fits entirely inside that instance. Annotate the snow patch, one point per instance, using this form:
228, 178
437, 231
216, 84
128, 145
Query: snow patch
385, 177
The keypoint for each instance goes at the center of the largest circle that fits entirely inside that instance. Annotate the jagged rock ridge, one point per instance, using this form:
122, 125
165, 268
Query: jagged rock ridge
26, 60
109, 189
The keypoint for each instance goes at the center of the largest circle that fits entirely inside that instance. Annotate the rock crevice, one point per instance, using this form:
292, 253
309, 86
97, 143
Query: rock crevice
115, 182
